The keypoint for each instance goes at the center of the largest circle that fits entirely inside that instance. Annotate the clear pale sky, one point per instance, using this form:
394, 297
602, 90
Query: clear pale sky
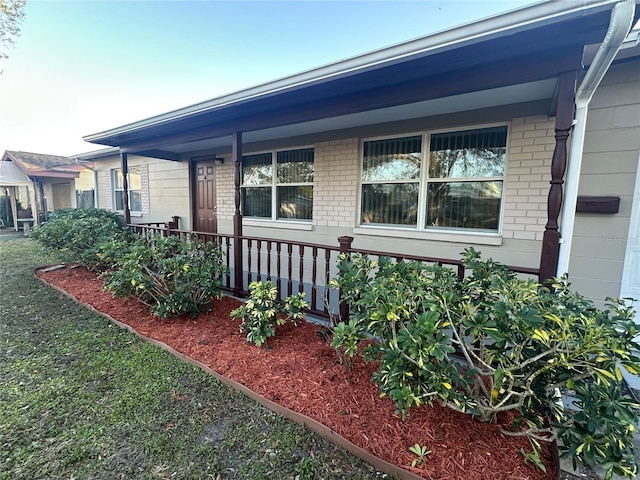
87, 66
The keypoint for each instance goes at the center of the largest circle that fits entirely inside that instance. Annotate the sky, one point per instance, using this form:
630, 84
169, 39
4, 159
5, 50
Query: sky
82, 67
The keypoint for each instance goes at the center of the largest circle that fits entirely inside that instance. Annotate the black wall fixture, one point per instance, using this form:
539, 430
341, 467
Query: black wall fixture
591, 204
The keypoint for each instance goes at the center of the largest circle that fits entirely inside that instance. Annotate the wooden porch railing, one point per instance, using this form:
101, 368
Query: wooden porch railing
295, 266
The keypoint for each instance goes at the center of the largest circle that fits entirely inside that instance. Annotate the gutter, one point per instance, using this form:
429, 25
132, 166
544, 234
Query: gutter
620, 25
502, 24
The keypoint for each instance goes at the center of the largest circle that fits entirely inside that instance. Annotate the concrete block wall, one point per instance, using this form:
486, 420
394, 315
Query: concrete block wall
168, 191
164, 185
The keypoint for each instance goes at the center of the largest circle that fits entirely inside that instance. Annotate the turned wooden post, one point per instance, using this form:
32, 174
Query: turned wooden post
236, 153
563, 126
125, 186
345, 245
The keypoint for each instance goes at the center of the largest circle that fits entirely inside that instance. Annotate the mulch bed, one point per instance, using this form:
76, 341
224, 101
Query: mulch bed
301, 372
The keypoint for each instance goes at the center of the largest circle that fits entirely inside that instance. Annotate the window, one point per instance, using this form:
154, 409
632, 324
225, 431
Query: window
278, 185
134, 186
456, 184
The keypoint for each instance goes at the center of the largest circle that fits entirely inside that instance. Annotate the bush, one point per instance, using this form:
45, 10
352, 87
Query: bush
173, 277
80, 235
262, 312
494, 343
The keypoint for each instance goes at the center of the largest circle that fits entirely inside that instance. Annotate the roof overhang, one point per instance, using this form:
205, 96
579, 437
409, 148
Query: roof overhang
507, 59
95, 155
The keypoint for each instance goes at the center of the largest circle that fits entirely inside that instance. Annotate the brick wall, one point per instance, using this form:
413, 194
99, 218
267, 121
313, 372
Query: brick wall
225, 190
335, 183
104, 188
144, 188
528, 174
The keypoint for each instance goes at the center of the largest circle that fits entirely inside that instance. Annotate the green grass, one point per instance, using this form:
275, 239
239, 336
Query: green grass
81, 398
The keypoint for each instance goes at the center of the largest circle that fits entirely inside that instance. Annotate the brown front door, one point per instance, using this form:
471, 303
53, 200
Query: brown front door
205, 197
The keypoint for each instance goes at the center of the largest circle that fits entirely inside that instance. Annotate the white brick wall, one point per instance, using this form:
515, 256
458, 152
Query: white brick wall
225, 190
104, 186
531, 144
144, 187
335, 185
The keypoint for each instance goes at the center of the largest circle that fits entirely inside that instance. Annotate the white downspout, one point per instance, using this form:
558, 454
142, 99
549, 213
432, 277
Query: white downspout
619, 26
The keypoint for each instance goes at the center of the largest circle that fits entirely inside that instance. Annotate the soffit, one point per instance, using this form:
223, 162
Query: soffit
528, 92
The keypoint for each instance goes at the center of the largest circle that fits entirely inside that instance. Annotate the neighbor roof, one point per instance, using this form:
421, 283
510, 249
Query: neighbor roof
41, 165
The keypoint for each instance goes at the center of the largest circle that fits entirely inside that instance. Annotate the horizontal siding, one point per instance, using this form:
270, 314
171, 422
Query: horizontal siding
609, 164
168, 188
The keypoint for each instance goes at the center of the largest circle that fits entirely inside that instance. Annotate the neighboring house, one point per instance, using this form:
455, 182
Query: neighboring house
53, 181
460, 138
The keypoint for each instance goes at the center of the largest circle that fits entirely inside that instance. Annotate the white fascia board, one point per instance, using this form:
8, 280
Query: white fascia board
469, 33
95, 154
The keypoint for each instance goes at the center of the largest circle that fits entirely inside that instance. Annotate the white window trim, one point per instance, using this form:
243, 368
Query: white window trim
268, 223
420, 231
274, 221
449, 236
112, 188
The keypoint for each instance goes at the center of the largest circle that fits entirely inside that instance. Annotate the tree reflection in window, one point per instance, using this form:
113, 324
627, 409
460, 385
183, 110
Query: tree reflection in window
458, 161
391, 181
472, 153
462, 189
291, 186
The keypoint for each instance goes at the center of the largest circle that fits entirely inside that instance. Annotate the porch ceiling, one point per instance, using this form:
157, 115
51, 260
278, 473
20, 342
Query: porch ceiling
527, 92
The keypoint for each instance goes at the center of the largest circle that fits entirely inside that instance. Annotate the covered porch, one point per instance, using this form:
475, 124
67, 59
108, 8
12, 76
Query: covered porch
11, 179
526, 64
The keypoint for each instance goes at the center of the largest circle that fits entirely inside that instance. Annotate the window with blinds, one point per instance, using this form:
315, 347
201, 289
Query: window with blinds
457, 183
278, 185
391, 181
134, 185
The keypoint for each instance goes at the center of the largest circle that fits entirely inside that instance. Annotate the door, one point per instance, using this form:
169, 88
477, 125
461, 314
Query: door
631, 275
61, 195
205, 211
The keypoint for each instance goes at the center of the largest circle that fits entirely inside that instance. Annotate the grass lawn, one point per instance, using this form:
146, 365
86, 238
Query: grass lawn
82, 399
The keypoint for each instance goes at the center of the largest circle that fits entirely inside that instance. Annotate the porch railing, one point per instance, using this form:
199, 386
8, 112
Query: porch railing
295, 266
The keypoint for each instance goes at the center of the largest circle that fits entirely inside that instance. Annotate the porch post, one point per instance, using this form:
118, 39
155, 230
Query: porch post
35, 209
14, 207
563, 126
125, 186
345, 245
236, 153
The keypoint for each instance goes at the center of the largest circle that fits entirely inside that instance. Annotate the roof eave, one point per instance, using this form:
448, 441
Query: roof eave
524, 18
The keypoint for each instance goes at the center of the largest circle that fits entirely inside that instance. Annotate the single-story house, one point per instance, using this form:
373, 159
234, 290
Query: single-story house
49, 182
518, 135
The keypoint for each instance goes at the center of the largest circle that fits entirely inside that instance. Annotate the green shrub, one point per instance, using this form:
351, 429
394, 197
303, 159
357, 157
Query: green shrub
494, 343
346, 341
173, 277
262, 312
80, 234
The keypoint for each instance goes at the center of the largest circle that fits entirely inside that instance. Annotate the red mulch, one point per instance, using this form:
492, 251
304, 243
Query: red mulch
302, 373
